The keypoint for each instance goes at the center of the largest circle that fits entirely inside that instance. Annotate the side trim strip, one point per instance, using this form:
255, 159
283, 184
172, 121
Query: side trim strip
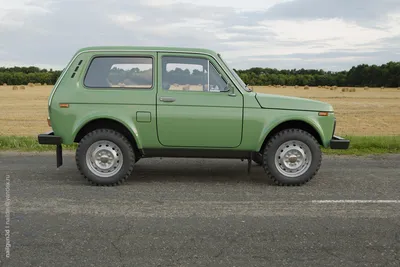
196, 153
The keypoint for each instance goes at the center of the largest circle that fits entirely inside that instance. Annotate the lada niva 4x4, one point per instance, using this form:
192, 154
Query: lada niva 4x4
122, 104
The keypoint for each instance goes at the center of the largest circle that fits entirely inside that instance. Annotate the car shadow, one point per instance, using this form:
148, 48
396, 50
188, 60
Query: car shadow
197, 170
172, 170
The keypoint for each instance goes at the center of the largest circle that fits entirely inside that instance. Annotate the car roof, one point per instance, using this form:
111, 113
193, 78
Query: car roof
147, 48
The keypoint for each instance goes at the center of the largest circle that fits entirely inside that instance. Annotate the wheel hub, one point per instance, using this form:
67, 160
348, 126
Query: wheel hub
104, 158
293, 158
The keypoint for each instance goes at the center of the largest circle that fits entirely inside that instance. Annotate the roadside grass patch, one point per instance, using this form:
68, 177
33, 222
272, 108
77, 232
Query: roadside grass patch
359, 145
364, 145
27, 143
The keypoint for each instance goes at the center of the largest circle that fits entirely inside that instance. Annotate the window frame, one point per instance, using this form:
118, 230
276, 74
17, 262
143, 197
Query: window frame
224, 78
153, 76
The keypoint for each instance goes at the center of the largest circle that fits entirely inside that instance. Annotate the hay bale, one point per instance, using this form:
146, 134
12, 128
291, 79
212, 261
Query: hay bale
31, 85
352, 90
345, 89
15, 87
306, 87
296, 86
22, 87
366, 88
45, 84
4, 84
38, 84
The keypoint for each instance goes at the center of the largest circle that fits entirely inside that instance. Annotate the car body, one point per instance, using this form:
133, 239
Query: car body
178, 102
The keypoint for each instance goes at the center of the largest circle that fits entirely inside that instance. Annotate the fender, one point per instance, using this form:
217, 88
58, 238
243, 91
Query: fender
79, 124
272, 125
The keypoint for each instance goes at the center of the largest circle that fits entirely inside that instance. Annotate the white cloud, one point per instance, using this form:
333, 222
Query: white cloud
237, 4
244, 32
124, 19
328, 34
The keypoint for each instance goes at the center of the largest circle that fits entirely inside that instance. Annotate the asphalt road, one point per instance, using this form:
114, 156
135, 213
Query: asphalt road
190, 212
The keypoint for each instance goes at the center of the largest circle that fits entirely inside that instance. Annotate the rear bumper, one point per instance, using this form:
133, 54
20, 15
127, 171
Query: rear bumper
338, 142
50, 139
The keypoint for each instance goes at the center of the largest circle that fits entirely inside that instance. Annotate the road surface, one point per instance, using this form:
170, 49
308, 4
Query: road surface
200, 212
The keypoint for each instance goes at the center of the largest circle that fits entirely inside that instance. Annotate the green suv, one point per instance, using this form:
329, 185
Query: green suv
121, 104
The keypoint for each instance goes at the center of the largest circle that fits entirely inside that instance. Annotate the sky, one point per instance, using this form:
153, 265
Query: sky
284, 34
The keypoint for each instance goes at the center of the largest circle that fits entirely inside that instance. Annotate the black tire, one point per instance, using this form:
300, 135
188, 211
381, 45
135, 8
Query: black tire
258, 158
279, 139
124, 146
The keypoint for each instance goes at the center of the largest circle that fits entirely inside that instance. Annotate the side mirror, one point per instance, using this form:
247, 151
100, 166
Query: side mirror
231, 89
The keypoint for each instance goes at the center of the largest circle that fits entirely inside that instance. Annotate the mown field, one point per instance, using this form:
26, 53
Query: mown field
365, 112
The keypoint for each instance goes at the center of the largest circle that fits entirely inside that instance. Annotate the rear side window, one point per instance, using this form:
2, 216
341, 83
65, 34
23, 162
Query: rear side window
120, 72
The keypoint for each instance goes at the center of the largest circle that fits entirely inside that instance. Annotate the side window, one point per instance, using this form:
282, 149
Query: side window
191, 74
120, 72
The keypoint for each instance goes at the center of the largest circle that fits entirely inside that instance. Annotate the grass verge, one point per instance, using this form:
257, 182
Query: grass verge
359, 145
366, 145
25, 143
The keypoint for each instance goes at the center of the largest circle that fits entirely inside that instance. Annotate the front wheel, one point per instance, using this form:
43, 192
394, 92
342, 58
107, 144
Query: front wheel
292, 157
105, 157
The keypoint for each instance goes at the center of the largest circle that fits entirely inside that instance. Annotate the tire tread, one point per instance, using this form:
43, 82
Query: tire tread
116, 134
270, 143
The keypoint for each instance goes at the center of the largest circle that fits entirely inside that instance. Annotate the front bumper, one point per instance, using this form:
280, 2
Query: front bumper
50, 139
338, 142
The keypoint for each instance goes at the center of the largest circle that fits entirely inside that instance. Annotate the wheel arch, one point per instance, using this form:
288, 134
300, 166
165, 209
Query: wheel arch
307, 126
107, 123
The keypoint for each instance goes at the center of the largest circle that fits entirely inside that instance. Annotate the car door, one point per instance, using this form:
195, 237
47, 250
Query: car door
194, 106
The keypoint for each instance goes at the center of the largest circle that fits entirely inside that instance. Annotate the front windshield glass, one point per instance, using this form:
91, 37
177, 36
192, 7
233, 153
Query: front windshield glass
237, 77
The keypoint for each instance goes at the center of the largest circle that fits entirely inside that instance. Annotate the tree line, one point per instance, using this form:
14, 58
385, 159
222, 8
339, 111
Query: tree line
25, 75
387, 75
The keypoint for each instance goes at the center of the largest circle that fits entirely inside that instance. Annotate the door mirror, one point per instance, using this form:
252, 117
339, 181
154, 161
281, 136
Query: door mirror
231, 89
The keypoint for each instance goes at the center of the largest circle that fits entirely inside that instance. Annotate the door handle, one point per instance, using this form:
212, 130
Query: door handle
167, 99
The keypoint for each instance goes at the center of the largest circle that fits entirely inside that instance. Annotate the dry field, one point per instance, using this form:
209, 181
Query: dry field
370, 111
374, 111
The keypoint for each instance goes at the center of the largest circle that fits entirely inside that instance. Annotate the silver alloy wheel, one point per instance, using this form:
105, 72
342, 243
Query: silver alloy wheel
293, 158
104, 158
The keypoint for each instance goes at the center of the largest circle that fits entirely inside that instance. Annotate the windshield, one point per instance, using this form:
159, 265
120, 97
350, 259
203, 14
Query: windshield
237, 77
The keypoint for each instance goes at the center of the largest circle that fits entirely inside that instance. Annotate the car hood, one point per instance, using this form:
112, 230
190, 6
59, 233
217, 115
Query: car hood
293, 103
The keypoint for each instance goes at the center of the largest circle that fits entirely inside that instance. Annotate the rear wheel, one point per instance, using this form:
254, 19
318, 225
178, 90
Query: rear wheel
105, 157
292, 157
